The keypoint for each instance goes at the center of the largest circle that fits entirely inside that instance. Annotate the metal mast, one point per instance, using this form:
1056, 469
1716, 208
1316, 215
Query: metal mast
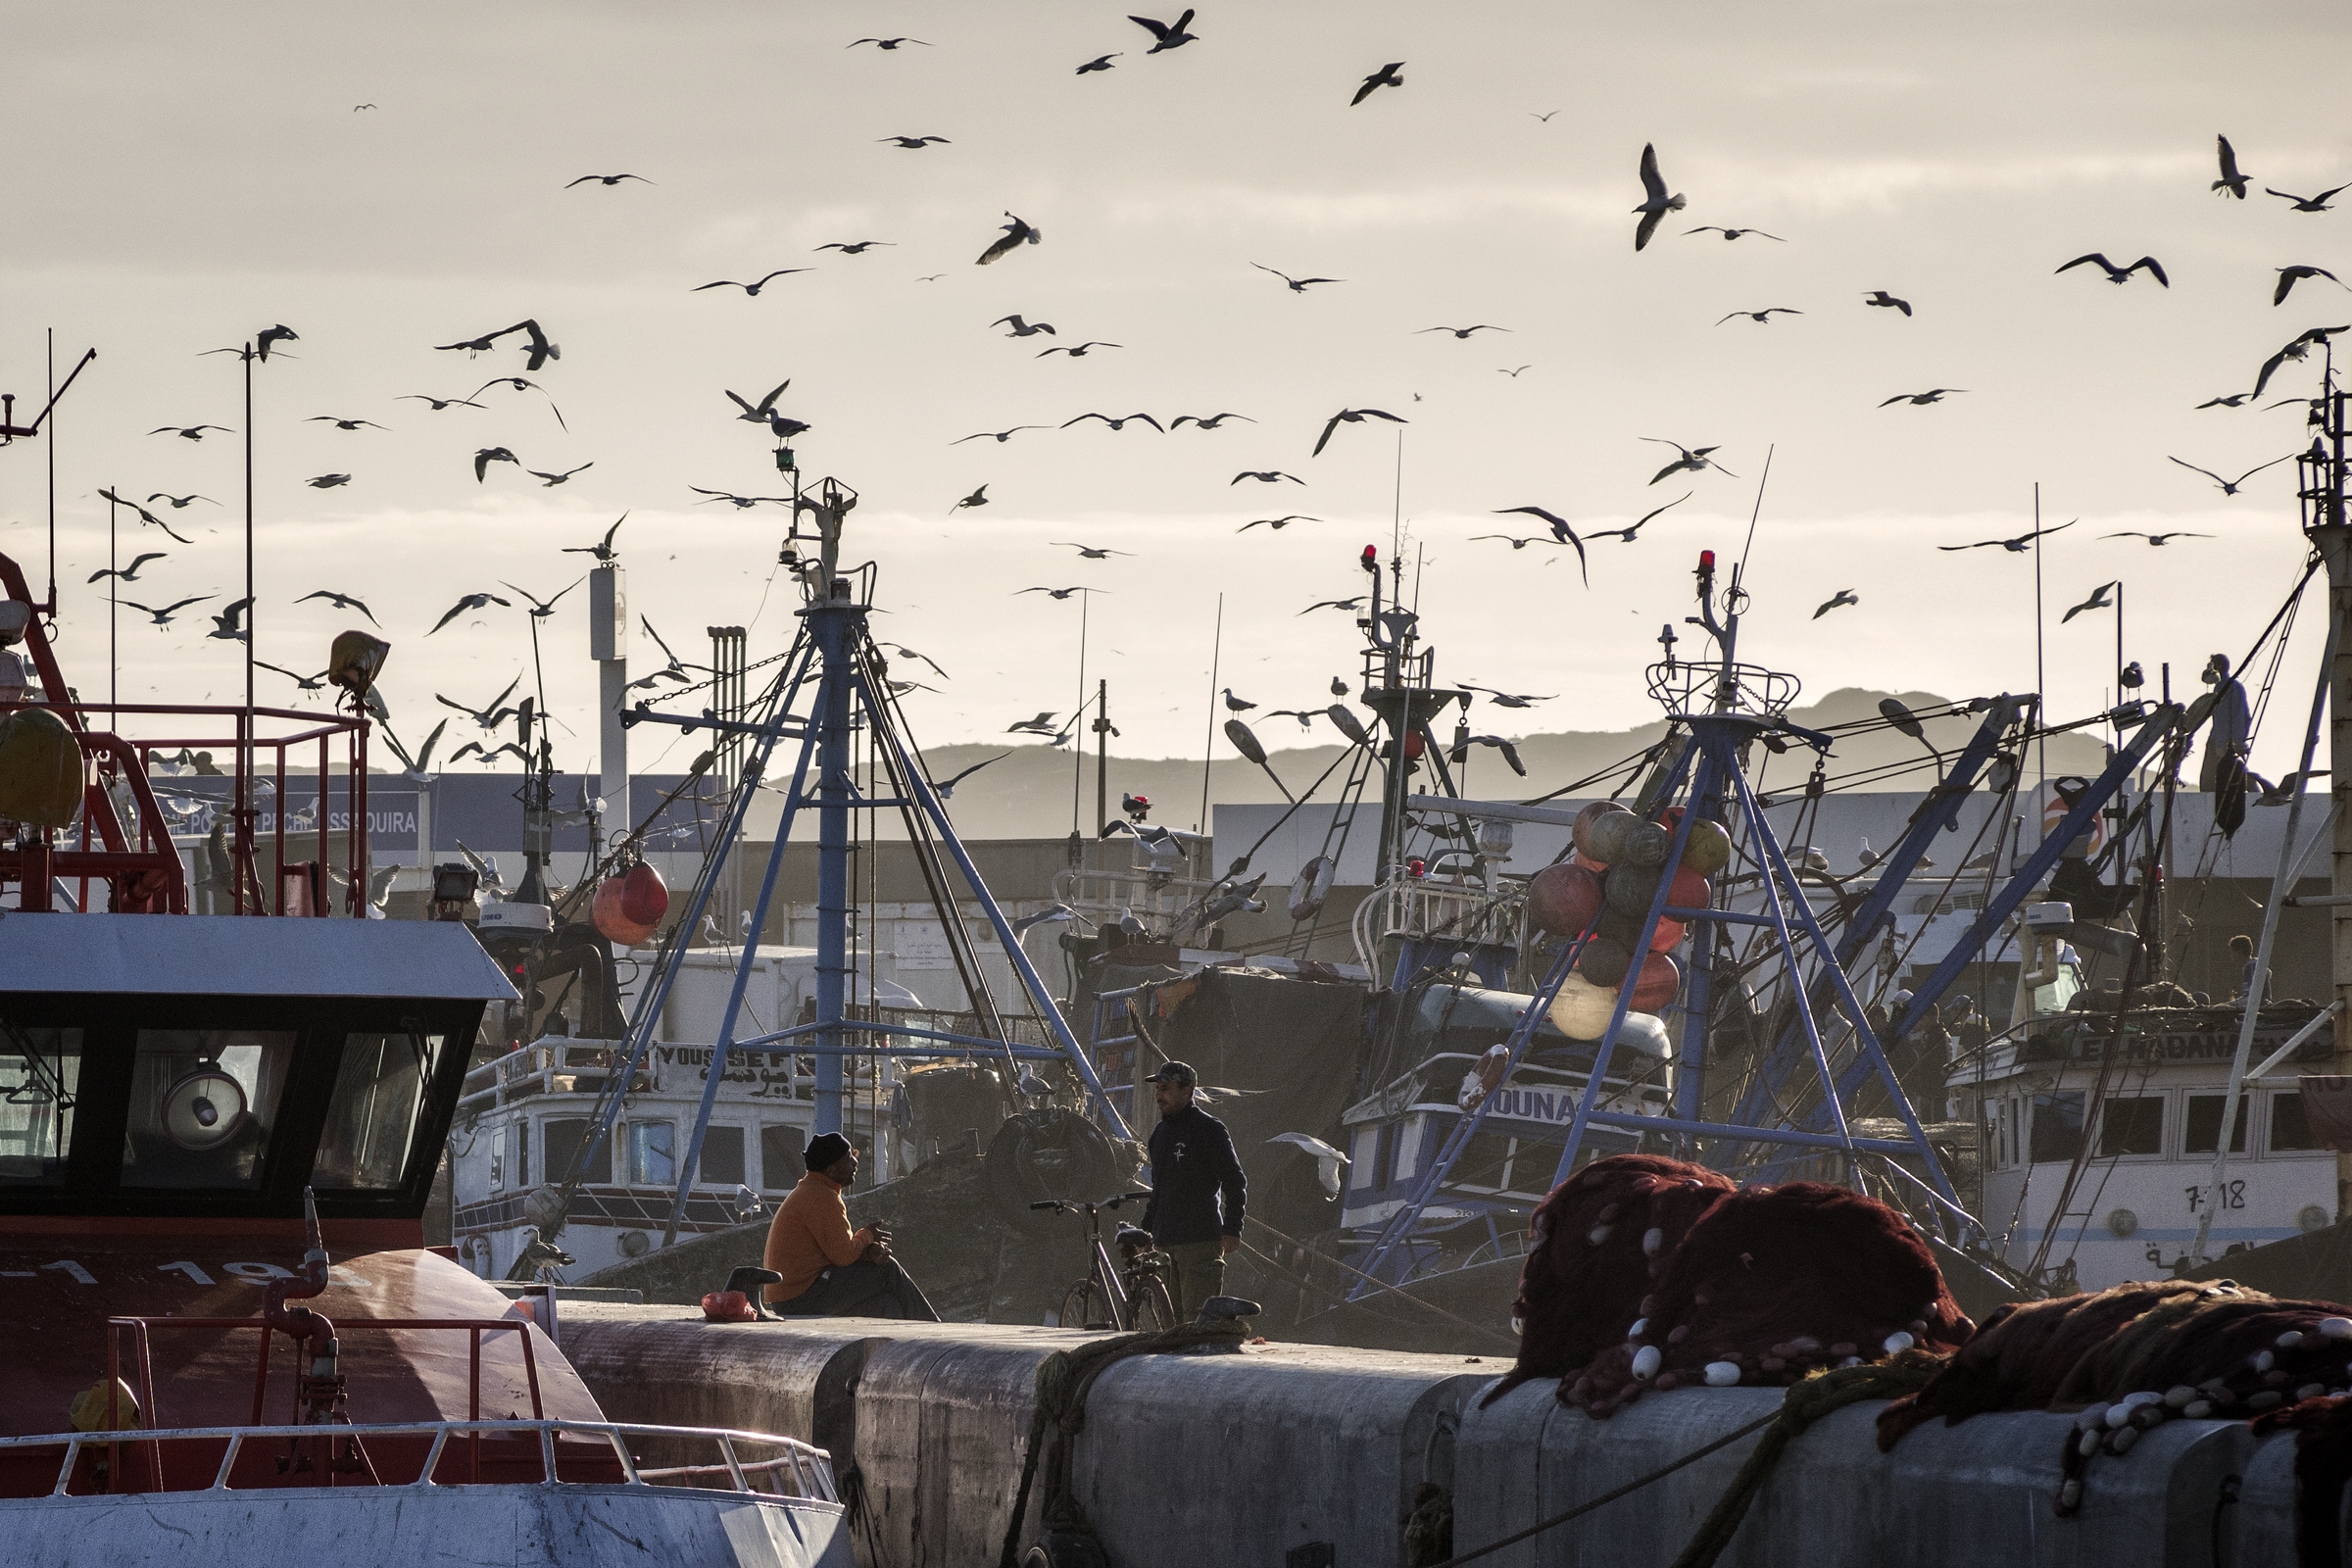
2321, 487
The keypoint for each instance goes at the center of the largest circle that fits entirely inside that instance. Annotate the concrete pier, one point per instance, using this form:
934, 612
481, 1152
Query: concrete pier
1247, 1457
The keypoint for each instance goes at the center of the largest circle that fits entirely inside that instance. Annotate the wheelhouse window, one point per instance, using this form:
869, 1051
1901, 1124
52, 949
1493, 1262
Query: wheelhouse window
722, 1156
203, 1104
565, 1135
2290, 1127
2132, 1125
2204, 1128
781, 1146
41, 1074
2057, 1130
371, 1120
650, 1160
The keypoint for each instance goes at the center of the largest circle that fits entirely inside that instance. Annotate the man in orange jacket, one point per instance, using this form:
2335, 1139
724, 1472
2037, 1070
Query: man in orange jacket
828, 1269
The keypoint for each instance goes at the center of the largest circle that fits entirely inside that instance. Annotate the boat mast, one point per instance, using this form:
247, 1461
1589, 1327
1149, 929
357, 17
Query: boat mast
2320, 472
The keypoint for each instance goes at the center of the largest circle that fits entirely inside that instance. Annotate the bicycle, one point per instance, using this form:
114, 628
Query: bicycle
1133, 1296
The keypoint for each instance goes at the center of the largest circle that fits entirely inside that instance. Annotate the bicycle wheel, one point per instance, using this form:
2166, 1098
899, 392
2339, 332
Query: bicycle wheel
1153, 1309
1086, 1306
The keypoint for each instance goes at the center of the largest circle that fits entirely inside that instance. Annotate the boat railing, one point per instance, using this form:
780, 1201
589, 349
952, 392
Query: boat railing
1421, 909
796, 1470
141, 1331
538, 1068
1154, 898
1685, 688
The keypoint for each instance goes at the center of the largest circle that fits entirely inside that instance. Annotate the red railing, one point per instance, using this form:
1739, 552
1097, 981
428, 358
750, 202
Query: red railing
145, 875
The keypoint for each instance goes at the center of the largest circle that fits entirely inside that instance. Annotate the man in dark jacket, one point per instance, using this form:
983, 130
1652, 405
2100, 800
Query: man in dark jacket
1197, 1191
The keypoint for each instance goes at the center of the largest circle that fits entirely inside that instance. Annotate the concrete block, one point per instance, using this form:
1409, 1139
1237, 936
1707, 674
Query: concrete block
1239, 1459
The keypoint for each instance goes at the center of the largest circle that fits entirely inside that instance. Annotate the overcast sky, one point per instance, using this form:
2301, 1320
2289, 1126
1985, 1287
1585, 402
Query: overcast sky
180, 177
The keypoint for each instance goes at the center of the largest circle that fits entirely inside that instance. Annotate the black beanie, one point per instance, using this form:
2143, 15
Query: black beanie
826, 1150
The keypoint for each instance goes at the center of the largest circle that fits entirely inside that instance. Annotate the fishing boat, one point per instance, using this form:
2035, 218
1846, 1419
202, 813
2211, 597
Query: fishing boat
216, 1137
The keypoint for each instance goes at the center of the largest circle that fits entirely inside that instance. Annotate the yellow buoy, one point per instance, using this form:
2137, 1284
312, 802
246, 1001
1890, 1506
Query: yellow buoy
40, 768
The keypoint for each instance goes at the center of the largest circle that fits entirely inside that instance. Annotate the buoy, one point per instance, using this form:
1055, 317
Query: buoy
2267, 1400
2198, 1410
2179, 1397
1708, 849
1646, 845
2310, 1390
1604, 839
2264, 1361
1661, 978
2120, 1442
1563, 900
1654, 1240
2337, 1328
1605, 962
1582, 831
1597, 1235
644, 897
1639, 1328
1646, 1362
605, 912
1898, 1342
40, 768
2288, 1341
1581, 1009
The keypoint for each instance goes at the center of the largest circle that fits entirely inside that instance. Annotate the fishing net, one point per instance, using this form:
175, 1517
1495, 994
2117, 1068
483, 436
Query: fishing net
1599, 1241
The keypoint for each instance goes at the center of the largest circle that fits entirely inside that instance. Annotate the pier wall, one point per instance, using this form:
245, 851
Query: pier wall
1249, 1457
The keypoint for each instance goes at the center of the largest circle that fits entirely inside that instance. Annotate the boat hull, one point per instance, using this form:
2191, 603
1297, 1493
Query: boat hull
527, 1526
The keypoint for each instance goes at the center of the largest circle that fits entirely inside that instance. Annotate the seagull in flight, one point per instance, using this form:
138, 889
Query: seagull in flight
761, 412
2157, 539
1079, 351
1728, 233
540, 349
916, 143
2231, 400
1763, 317
1513, 540
1263, 476
1655, 202
603, 549
1934, 394
886, 44
1276, 523
2016, 546
1845, 596
2295, 350
342, 423
999, 436
1513, 375
129, 574
608, 179
191, 432
1042, 724
978, 497
739, 502
228, 625
751, 290
1171, 35
2289, 276
1091, 552
1299, 285
541, 609
302, 682
1510, 699
1384, 77
2229, 487
945, 789
1351, 416
469, 603
1021, 329
144, 514
855, 248
1562, 532
1099, 63
1358, 603
926, 659
675, 662
1210, 423
490, 715
1627, 533
1880, 297
163, 616
1692, 460
1463, 332
328, 481
2099, 600
1018, 233
2122, 274
1510, 753
489, 455
438, 403
554, 479
2231, 180
178, 501
1058, 592
1118, 423
526, 385
2307, 204
340, 602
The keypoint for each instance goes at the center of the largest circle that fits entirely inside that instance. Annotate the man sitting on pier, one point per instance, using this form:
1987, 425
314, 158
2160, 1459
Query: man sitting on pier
1197, 1191
828, 1269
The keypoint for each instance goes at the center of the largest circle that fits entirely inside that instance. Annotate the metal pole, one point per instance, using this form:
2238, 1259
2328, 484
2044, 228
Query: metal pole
113, 659
1208, 753
2326, 528
2281, 886
1102, 758
837, 623
1086, 601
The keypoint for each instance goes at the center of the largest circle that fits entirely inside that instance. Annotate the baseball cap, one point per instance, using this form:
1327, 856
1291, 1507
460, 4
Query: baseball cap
1175, 1072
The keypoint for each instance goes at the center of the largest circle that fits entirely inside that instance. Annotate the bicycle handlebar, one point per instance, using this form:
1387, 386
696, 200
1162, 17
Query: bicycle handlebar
1068, 1205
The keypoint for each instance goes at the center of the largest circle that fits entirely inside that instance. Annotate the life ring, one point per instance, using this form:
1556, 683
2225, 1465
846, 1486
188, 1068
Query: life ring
2091, 840
1311, 887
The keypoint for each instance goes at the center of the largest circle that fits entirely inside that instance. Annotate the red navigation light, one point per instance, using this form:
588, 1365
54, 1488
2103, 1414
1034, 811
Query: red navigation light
1706, 561
1371, 554
1416, 867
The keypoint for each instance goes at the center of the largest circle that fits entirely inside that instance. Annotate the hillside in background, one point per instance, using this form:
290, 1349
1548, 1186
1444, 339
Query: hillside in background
1028, 792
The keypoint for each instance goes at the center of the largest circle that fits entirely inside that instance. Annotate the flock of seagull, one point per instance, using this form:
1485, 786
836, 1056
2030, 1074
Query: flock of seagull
1658, 199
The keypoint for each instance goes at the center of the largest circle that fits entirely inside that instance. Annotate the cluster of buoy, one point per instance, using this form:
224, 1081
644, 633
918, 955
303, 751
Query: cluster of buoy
1603, 893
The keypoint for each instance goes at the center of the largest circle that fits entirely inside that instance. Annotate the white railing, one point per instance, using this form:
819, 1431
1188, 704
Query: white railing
534, 1068
799, 1471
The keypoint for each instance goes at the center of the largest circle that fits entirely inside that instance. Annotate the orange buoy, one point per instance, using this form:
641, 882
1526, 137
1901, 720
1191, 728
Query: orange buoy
644, 896
40, 768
